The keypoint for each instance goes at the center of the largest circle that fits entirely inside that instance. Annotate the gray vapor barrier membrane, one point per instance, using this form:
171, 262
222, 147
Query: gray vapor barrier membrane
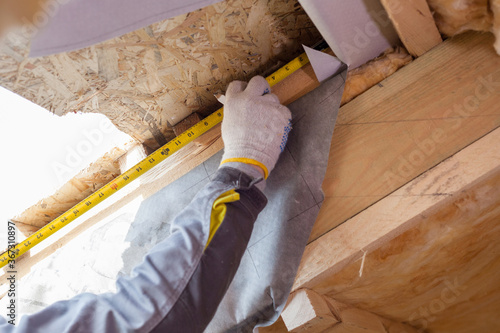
264, 279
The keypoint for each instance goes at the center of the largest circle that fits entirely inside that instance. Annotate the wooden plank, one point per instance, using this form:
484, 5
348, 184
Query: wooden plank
396, 213
353, 320
427, 254
290, 90
424, 113
308, 311
414, 23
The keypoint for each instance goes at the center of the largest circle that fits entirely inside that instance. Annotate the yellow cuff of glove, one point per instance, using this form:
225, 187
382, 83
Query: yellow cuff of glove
248, 161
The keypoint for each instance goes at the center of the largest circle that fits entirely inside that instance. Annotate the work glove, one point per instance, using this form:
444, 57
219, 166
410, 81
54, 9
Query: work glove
255, 126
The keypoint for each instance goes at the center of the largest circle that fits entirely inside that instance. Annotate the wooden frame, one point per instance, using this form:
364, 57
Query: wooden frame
414, 23
425, 254
415, 242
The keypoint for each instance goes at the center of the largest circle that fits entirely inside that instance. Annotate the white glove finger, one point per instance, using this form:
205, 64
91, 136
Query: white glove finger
257, 86
235, 87
270, 98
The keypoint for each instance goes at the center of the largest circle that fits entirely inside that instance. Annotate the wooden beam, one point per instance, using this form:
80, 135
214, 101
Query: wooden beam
427, 253
414, 23
410, 122
398, 212
304, 81
308, 311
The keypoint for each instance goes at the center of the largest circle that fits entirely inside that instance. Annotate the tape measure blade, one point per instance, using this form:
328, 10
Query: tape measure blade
287, 70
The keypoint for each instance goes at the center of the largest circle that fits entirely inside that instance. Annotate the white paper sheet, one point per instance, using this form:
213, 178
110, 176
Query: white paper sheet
75, 24
356, 30
324, 65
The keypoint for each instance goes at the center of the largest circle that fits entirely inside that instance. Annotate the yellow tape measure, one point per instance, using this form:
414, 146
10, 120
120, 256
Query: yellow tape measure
136, 171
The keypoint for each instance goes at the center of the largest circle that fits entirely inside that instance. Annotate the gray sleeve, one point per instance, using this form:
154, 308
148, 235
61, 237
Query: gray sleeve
180, 283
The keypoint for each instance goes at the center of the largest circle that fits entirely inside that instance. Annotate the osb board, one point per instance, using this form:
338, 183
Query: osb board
154, 77
410, 122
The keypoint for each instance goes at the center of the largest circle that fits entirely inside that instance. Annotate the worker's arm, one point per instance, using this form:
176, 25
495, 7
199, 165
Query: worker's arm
180, 283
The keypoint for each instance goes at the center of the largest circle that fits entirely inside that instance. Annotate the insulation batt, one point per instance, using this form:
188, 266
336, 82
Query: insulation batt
456, 16
366, 76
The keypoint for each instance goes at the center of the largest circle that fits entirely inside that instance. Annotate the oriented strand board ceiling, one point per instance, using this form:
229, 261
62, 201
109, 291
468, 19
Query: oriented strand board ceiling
150, 79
